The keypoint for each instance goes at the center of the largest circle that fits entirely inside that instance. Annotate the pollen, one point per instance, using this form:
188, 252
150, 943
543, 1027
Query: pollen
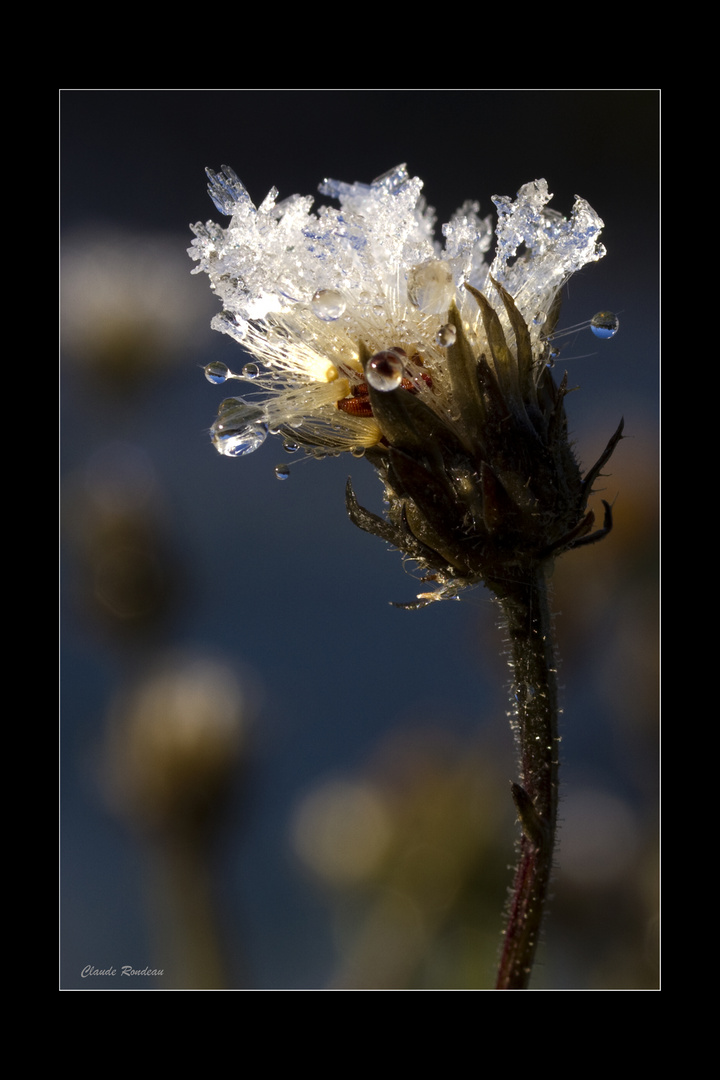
330, 373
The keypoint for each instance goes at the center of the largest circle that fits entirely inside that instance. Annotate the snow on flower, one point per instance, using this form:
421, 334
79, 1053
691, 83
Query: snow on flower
303, 292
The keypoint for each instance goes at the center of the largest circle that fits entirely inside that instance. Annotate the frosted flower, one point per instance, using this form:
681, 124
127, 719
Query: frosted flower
371, 337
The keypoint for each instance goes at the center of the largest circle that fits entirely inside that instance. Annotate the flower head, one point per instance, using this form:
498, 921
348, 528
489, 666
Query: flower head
370, 337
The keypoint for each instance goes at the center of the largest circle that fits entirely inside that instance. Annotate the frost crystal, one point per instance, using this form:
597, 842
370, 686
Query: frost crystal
307, 294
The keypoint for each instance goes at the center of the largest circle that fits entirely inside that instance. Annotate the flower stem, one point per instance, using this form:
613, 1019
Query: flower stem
529, 628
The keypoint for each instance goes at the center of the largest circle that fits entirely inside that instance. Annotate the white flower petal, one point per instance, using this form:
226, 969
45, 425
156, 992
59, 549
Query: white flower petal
387, 285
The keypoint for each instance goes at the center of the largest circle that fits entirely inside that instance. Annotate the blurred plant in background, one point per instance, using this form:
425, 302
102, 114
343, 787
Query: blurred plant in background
126, 574
177, 731
174, 748
608, 630
412, 856
127, 307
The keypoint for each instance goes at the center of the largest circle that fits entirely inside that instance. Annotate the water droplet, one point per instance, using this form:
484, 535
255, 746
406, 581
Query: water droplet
358, 451
446, 335
551, 356
605, 324
430, 287
282, 472
239, 443
230, 404
385, 370
290, 447
250, 371
328, 304
239, 429
216, 372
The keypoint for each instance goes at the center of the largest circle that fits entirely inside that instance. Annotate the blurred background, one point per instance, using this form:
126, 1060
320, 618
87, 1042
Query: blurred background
271, 778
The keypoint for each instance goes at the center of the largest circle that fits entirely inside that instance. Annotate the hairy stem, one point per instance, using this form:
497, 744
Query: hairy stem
528, 624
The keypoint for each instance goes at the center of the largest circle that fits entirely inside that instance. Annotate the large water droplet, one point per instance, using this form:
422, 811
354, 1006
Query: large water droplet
239, 443
446, 335
430, 287
605, 324
239, 429
385, 370
328, 304
216, 372
282, 472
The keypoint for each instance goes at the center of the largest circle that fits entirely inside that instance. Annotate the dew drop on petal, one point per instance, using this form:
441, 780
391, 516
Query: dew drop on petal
239, 443
605, 324
250, 371
216, 372
239, 429
446, 335
430, 287
328, 304
385, 370
282, 472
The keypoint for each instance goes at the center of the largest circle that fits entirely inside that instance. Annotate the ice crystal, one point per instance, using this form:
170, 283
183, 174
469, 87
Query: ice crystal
301, 290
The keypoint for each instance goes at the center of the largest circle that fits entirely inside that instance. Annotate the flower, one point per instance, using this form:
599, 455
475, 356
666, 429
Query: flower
434, 364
